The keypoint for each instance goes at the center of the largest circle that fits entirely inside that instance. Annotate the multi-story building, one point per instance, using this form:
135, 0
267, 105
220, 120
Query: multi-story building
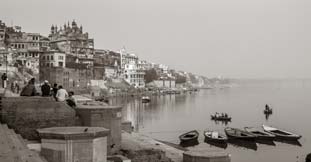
72, 40
25, 47
69, 62
53, 59
132, 70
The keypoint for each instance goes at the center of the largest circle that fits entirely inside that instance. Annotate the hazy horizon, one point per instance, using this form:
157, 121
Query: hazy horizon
235, 39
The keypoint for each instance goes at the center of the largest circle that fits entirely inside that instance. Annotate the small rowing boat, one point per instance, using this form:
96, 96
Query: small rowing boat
281, 134
214, 136
235, 133
189, 136
261, 135
145, 99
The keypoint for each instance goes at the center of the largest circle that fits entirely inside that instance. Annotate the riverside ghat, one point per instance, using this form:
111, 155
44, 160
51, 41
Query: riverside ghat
45, 130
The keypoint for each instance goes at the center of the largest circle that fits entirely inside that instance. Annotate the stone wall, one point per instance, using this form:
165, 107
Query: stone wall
26, 114
109, 117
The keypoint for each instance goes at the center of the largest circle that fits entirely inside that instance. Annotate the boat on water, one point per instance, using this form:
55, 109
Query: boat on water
260, 134
234, 133
189, 136
281, 134
215, 136
268, 109
145, 99
220, 118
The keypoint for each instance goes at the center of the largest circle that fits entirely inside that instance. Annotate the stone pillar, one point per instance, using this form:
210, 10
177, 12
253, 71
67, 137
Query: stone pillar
109, 117
127, 126
206, 156
74, 144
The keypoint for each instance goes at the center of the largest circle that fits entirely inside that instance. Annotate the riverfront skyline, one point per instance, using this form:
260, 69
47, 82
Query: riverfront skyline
242, 38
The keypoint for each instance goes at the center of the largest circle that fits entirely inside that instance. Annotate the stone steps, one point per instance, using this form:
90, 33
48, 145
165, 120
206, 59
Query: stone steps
14, 149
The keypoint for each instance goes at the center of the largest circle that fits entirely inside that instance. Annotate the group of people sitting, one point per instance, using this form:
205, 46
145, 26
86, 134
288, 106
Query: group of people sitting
58, 92
224, 115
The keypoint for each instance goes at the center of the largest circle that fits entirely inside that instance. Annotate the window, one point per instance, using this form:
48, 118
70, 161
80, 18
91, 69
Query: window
52, 58
60, 64
47, 58
51, 64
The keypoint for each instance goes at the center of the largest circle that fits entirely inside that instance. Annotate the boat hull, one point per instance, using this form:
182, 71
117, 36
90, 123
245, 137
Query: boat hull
233, 133
220, 118
220, 139
189, 136
280, 134
260, 135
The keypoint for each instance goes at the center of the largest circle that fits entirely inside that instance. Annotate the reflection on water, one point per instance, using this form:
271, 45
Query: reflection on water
290, 142
267, 115
167, 117
243, 144
189, 143
223, 145
266, 142
222, 122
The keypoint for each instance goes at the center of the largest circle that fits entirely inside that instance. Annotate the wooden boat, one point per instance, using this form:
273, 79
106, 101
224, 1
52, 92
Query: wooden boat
215, 137
145, 99
281, 134
189, 136
235, 133
221, 118
261, 135
268, 111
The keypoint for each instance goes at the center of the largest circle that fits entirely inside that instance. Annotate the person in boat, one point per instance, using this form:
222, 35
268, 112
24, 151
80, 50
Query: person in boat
226, 115
216, 115
222, 115
267, 107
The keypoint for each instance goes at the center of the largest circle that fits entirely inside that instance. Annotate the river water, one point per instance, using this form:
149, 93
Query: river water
166, 117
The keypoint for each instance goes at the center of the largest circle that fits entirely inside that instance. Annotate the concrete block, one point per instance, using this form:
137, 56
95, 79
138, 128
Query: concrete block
109, 117
78, 144
206, 156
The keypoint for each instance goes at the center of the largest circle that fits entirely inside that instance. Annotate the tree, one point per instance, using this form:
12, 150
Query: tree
150, 75
180, 79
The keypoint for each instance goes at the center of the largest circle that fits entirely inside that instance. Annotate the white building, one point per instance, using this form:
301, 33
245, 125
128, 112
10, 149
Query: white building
53, 59
132, 71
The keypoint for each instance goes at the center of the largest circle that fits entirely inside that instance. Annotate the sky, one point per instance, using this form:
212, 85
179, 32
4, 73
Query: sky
228, 38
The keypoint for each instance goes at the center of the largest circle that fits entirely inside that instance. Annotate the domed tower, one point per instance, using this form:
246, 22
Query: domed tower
74, 24
52, 29
81, 29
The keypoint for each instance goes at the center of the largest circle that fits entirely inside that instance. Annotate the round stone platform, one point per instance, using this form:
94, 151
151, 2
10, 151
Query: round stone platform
71, 133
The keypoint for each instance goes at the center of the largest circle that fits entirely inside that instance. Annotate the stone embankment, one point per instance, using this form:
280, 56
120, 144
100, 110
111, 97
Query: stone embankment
13, 147
140, 148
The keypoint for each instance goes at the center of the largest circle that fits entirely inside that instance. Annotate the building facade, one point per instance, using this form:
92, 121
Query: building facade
25, 48
132, 70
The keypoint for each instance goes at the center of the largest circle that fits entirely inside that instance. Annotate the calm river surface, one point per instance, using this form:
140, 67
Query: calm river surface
166, 117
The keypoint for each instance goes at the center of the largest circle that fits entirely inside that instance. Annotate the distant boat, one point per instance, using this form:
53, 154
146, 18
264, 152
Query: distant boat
261, 135
235, 133
214, 136
189, 136
281, 134
268, 111
145, 99
221, 118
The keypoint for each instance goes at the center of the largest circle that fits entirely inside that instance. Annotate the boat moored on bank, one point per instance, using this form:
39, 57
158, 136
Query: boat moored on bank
281, 134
